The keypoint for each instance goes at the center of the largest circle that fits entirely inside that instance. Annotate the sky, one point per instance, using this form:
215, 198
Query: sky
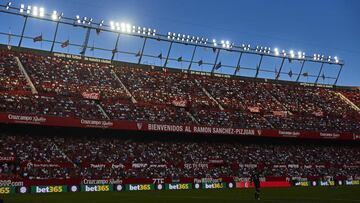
329, 27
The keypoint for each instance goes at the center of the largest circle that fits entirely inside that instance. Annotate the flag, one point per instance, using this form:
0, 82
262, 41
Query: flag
65, 44
200, 62
98, 31
9, 37
160, 56
306, 74
318, 113
9, 40
218, 66
214, 50
179, 59
138, 54
254, 109
38, 38
179, 103
323, 76
290, 73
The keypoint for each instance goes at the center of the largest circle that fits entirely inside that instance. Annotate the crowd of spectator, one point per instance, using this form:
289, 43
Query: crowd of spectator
51, 106
144, 94
161, 87
352, 95
11, 78
68, 77
94, 157
147, 113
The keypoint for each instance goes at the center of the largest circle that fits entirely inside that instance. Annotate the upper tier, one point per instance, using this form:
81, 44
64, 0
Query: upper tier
45, 84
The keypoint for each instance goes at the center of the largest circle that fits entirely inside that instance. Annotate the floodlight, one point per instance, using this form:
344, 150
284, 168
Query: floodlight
222, 43
336, 59
41, 12
292, 55
22, 6
84, 20
112, 25
214, 42
123, 27
54, 15
28, 10
276, 51
35, 11
78, 19
128, 28
227, 44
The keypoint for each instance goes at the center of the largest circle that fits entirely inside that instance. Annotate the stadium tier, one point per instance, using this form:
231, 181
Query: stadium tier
44, 89
44, 84
64, 158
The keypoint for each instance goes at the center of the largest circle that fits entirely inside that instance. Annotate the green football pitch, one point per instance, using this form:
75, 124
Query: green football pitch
280, 195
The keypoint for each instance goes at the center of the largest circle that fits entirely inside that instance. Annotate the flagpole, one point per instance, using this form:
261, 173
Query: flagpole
55, 34
9, 36
23, 30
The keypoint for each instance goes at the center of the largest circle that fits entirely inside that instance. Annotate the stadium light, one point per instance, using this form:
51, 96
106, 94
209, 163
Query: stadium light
214, 42
54, 15
112, 25
35, 11
22, 7
78, 19
276, 51
129, 28
28, 11
336, 59
41, 12
292, 54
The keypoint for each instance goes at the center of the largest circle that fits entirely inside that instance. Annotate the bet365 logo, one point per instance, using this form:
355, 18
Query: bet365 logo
5, 190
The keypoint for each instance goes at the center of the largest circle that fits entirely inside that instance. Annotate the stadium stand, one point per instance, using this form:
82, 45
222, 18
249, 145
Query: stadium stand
90, 90
48, 85
66, 156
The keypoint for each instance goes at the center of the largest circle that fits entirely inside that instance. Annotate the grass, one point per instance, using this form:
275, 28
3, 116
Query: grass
278, 195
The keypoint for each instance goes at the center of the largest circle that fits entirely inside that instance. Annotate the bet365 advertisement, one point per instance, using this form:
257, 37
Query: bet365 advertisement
49, 189
7, 190
140, 187
178, 186
96, 188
